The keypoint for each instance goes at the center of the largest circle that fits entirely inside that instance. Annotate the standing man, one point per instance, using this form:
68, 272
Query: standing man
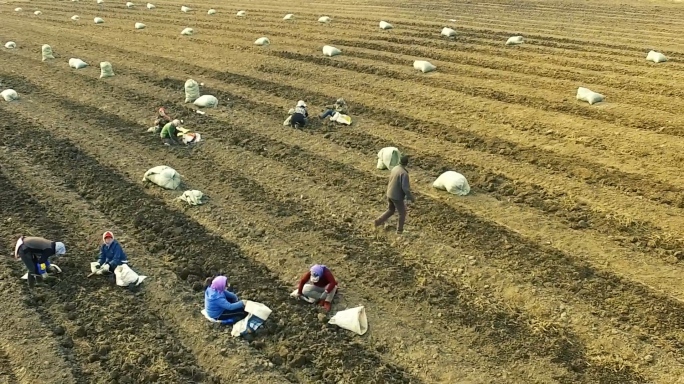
34, 251
398, 190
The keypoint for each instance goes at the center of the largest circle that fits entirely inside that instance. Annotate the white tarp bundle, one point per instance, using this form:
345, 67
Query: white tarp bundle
330, 50
187, 32
340, 118
46, 52
448, 32
656, 57
352, 319
385, 25
98, 20
324, 19
192, 197
424, 66
163, 176
515, 40
9, 95
139, 26
452, 182
241, 14
262, 41
211, 12
77, 63
388, 157
10, 45
192, 91
289, 16
591, 97
258, 314
106, 69
206, 101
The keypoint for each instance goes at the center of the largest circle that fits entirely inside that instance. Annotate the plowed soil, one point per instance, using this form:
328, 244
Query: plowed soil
563, 265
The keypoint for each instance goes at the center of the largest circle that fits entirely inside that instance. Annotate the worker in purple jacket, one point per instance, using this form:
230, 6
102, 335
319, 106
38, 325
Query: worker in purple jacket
398, 190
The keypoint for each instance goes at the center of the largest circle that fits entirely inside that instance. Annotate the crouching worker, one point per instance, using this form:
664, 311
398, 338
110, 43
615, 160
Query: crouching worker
111, 255
35, 252
160, 120
221, 304
317, 285
339, 106
169, 134
298, 116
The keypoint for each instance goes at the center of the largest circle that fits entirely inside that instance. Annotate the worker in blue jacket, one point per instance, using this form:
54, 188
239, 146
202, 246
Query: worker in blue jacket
221, 304
111, 254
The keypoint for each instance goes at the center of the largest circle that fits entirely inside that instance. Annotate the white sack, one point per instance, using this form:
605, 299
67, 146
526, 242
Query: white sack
340, 118
262, 41
241, 14
75, 18
192, 91
258, 314
129, 5
388, 157
106, 69
206, 101
37, 13
591, 97
515, 40
324, 19
163, 176
192, 197
289, 16
656, 57
10, 45
211, 12
17, 9
9, 95
125, 276
139, 26
185, 9
331, 51
150, 6
77, 63
46, 52
385, 25
424, 66
448, 32
98, 20
187, 31
353, 319
452, 182
191, 138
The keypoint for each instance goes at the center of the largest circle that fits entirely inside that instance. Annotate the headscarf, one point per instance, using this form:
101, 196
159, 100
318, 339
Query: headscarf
301, 103
60, 249
106, 235
176, 123
317, 270
219, 283
16, 248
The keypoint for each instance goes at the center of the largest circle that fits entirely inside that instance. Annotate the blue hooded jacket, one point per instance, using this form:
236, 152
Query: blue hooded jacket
112, 255
216, 302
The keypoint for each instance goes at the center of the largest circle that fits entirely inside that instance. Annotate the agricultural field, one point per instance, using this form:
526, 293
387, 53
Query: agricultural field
563, 264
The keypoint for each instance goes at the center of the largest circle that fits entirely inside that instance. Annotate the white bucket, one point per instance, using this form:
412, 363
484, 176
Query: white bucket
353, 319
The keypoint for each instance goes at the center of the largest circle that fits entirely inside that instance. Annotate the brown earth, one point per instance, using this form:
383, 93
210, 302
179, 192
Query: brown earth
563, 265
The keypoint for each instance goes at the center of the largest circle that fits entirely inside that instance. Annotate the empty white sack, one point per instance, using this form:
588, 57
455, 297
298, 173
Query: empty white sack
656, 57
591, 97
75, 18
211, 12
424, 66
98, 20
262, 41
331, 51
150, 6
448, 32
206, 101
324, 19
388, 157
241, 14
130, 5
77, 63
106, 69
452, 182
289, 16
46, 52
10, 45
37, 13
9, 95
515, 40
192, 91
185, 9
139, 26
187, 31
385, 25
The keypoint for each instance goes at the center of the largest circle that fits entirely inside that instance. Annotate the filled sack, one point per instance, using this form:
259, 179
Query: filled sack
98, 20
10, 45
211, 12
150, 6
206, 101
515, 40
9, 95
331, 51
241, 14
125, 276
164, 176
289, 16
77, 63
386, 25
424, 66
106, 69
388, 157
448, 32
46, 52
262, 41
187, 32
656, 57
591, 97
192, 91
258, 314
140, 26
452, 182
324, 19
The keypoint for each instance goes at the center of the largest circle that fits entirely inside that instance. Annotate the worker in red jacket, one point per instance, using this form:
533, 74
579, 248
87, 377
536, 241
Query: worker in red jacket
318, 285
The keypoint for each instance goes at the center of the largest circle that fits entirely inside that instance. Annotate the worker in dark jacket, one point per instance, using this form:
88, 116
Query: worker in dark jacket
318, 285
398, 190
111, 254
34, 251
300, 115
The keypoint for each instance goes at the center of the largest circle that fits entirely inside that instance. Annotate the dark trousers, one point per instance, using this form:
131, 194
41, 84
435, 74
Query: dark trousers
30, 260
235, 316
297, 120
393, 206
